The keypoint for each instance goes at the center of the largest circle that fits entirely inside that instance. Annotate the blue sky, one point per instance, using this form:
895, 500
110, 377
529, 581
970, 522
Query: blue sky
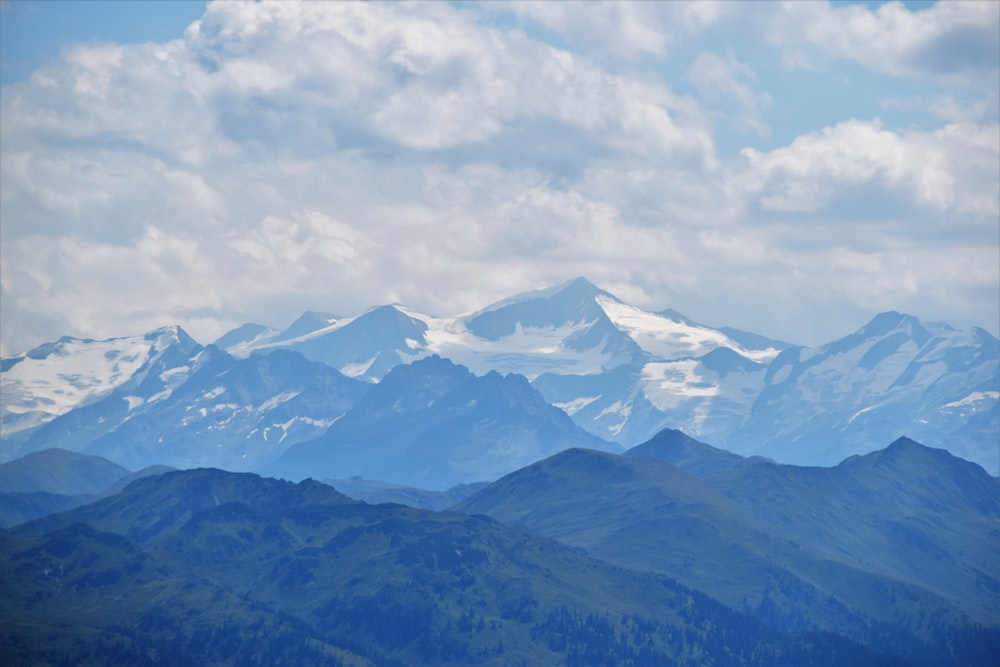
790, 169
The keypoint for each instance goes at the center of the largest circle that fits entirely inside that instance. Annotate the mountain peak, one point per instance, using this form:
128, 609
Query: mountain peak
306, 323
173, 334
690, 455
572, 302
889, 321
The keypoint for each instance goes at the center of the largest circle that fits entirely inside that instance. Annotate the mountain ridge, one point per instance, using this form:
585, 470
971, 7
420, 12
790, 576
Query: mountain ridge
623, 374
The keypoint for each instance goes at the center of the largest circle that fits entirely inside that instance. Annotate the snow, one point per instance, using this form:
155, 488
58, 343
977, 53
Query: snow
354, 370
134, 402
973, 398
861, 412
577, 404
666, 339
265, 340
668, 384
529, 351
75, 373
277, 400
212, 394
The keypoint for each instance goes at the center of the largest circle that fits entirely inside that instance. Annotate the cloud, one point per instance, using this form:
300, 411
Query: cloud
952, 170
725, 80
279, 157
619, 29
948, 40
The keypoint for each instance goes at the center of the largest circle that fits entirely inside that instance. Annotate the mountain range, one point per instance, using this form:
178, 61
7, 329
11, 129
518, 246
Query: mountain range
205, 566
900, 547
620, 373
673, 552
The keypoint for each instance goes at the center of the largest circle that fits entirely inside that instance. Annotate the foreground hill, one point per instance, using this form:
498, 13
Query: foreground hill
893, 556
204, 566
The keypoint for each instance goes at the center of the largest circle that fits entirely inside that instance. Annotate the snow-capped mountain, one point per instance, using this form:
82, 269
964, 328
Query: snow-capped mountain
575, 328
184, 405
233, 413
623, 373
619, 372
57, 378
896, 375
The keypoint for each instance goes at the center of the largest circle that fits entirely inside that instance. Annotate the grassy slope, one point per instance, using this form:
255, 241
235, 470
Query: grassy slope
220, 568
643, 513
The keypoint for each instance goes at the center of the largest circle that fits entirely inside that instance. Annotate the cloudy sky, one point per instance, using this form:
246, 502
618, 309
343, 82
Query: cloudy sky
789, 169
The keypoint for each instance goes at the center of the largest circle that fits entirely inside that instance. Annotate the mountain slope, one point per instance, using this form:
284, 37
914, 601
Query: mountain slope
894, 375
203, 566
910, 512
786, 543
59, 471
433, 424
226, 412
693, 457
56, 378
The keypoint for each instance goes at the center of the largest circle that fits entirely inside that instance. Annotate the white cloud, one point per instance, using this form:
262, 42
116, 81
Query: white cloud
725, 80
333, 156
955, 169
951, 40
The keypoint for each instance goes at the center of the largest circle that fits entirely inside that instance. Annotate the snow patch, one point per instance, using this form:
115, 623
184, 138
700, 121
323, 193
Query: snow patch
354, 370
277, 400
972, 399
577, 404
666, 339
133, 401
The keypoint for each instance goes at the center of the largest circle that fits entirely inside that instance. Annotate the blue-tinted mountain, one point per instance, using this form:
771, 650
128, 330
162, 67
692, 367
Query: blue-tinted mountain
55, 480
374, 492
573, 303
433, 424
216, 410
59, 471
885, 548
208, 567
55, 379
243, 335
620, 372
895, 375
681, 450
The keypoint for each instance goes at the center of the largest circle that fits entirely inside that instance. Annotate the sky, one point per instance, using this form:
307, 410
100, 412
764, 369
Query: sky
790, 169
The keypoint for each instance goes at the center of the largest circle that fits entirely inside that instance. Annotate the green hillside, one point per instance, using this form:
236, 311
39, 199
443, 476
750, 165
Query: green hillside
208, 567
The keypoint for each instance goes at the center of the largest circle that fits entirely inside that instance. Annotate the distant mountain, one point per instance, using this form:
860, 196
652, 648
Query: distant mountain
374, 492
364, 347
884, 549
60, 472
208, 567
433, 424
221, 411
20, 507
893, 376
693, 457
55, 480
244, 335
55, 379
621, 373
